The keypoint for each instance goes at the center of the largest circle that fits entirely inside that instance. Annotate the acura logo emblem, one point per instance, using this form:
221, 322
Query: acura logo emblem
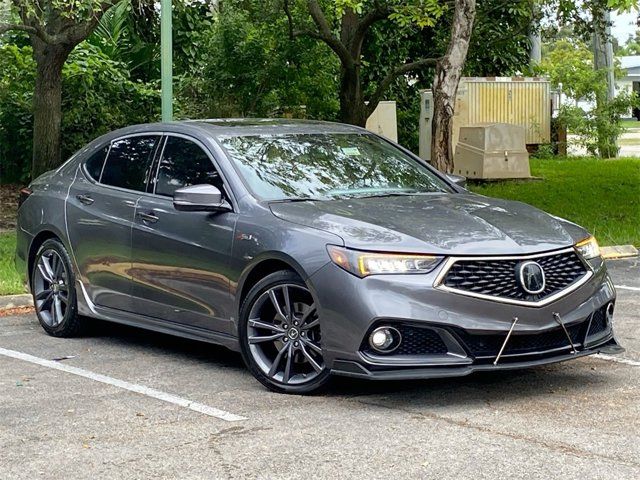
531, 277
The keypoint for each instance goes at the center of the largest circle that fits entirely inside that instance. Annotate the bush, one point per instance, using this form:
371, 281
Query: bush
17, 69
98, 96
597, 130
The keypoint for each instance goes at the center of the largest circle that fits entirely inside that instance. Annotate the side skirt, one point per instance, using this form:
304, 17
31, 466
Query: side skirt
88, 308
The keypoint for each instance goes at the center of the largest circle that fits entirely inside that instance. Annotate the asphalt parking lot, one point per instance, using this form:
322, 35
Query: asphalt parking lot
120, 408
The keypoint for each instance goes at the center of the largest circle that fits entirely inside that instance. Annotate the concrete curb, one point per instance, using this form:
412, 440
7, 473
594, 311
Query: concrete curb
14, 301
618, 251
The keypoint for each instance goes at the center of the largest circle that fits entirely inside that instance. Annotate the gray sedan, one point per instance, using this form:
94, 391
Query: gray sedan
312, 248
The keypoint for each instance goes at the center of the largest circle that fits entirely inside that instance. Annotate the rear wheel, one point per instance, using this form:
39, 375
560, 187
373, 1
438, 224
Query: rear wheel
280, 335
53, 289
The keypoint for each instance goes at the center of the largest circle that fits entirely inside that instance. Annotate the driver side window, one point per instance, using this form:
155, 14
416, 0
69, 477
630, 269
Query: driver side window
184, 163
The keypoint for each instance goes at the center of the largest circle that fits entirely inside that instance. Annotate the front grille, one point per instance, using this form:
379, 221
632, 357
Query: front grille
481, 345
415, 341
497, 278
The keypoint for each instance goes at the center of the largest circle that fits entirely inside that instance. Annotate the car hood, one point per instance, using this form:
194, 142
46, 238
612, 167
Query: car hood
435, 223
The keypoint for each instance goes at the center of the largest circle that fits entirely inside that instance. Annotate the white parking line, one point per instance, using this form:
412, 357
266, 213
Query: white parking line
611, 358
625, 287
132, 387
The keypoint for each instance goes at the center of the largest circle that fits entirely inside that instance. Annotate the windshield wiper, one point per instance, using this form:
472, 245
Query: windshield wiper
394, 194
298, 199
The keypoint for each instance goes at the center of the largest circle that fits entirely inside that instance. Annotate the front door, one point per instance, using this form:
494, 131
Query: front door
180, 260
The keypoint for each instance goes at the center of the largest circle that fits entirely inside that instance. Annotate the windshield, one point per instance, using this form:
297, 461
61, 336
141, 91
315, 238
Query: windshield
325, 165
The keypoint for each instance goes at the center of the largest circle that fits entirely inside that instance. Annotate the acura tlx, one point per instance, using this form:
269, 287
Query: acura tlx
313, 249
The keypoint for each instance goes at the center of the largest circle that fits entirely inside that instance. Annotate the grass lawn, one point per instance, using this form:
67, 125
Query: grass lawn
601, 195
631, 124
9, 279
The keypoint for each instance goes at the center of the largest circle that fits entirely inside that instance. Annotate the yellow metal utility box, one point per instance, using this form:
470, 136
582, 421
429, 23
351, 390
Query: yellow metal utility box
524, 101
494, 150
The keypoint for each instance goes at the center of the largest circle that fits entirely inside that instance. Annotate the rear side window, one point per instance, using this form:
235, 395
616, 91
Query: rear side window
95, 163
129, 162
183, 164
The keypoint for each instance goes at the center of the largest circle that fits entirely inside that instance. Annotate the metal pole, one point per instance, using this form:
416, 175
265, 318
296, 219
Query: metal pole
166, 60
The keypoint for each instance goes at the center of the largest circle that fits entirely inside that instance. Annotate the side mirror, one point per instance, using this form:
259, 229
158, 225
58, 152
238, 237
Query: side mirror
459, 180
200, 198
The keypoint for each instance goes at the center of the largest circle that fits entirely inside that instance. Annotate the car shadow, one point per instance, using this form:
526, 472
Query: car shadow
485, 387
133, 337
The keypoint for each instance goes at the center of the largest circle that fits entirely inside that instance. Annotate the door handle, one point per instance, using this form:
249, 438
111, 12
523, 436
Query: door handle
148, 217
86, 199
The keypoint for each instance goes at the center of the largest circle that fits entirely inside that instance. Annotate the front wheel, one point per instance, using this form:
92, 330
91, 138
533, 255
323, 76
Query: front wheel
280, 335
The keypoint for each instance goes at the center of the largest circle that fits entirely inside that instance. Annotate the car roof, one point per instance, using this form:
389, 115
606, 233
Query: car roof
241, 127
248, 126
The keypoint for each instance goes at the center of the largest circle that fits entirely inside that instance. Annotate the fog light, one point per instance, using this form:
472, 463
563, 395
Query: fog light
610, 312
385, 339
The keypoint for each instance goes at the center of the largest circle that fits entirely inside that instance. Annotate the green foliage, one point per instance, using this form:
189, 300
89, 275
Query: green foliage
17, 70
421, 13
631, 46
246, 66
10, 283
192, 23
118, 37
570, 64
597, 129
500, 40
545, 150
98, 96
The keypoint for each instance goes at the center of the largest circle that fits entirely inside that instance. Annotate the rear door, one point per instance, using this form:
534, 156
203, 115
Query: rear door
181, 259
100, 211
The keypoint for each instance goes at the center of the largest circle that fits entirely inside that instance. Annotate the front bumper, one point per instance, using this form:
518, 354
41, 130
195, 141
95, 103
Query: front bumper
468, 331
358, 370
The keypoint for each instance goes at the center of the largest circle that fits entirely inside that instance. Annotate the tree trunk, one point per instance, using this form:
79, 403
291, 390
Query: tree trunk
47, 105
445, 84
352, 107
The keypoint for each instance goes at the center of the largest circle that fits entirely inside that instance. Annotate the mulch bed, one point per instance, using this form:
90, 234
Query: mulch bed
8, 312
9, 195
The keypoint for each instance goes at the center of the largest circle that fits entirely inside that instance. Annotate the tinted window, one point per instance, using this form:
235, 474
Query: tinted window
318, 165
184, 163
95, 163
129, 162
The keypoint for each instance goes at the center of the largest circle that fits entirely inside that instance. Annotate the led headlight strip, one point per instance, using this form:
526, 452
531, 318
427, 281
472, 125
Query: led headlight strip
363, 264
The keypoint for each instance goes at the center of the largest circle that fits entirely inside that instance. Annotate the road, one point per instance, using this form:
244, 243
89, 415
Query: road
578, 419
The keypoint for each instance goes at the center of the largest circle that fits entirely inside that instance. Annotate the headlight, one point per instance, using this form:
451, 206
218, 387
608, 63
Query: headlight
370, 263
588, 248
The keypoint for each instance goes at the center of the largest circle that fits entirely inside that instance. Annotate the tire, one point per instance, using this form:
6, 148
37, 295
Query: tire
53, 290
288, 338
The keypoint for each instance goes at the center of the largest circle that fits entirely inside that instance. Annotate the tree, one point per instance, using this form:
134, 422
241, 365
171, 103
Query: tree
55, 28
590, 21
98, 95
569, 63
245, 65
631, 46
445, 85
354, 19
